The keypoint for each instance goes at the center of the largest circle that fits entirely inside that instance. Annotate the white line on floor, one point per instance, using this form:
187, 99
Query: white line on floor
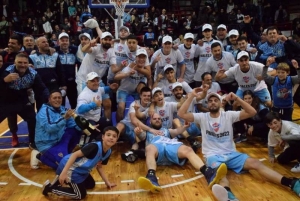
176, 175
127, 181
3, 183
24, 184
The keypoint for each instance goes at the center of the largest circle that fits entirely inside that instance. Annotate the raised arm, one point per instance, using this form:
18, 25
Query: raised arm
220, 75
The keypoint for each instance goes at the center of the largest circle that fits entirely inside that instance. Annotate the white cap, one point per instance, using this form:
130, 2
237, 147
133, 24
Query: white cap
222, 26
141, 51
176, 84
189, 35
84, 34
213, 94
206, 26
233, 32
167, 39
63, 34
156, 89
105, 34
168, 66
91, 76
124, 27
241, 54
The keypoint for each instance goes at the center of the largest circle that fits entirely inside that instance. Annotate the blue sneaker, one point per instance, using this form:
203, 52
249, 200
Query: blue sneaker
222, 194
296, 186
213, 176
149, 183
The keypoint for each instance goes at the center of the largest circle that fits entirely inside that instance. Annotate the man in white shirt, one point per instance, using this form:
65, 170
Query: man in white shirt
222, 34
204, 52
188, 51
221, 60
212, 87
132, 79
218, 146
167, 55
98, 59
245, 73
90, 99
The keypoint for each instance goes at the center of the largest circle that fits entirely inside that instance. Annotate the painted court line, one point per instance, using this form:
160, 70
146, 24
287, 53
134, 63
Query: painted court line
3, 183
177, 175
262, 159
197, 173
100, 182
127, 181
24, 184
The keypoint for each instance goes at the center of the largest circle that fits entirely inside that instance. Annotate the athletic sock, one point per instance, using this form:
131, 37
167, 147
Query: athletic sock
151, 172
286, 181
202, 169
227, 188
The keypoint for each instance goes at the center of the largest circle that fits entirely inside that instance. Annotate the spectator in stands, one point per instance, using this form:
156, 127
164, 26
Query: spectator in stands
28, 44
71, 9
213, 20
48, 13
230, 6
268, 18
239, 16
28, 28
149, 37
3, 32
16, 22
222, 17
162, 20
280, 15
66, 26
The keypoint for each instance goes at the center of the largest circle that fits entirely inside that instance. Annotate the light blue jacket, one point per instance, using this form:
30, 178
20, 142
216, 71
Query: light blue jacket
50, 126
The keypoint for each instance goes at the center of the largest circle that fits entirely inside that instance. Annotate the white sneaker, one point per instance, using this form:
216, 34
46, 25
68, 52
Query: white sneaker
296, 168
34, 162
222, 194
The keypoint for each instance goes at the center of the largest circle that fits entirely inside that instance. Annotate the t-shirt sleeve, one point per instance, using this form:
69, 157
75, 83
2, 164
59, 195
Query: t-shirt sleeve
95, 50
272, 141
230, 72
186, 87
131, 108
90, 150
234, 115
180, 58
112, 59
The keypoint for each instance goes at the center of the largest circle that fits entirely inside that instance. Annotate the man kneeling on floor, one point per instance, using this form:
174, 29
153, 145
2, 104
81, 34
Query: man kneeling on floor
162, 150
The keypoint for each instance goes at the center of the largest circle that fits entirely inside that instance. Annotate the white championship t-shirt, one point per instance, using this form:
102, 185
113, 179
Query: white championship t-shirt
188, 55
98, 61
166, 113
127, 119
86, 97
130, 83
247, 81
217, 133
226, 62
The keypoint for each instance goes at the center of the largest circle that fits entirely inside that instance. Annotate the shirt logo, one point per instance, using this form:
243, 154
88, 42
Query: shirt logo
207, 49
283, 93
168, 60
161, 113
104, 55
220, 65
120, 48
246, 79
187, 55
216, 127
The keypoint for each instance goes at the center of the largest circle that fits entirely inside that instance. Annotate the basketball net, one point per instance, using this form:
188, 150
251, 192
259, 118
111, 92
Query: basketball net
119, 7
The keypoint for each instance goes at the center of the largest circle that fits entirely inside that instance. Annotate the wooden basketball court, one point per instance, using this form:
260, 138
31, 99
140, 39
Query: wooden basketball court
19, 182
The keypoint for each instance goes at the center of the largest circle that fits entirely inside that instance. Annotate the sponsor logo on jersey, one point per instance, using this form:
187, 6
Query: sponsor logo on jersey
283, 93
104, 55
216, 126
220, 65
168, 60
246, 79
187, 55
207, 49
120, 48
161, 113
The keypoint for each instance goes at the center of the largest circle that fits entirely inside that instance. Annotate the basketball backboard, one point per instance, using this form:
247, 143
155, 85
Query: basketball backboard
131, 4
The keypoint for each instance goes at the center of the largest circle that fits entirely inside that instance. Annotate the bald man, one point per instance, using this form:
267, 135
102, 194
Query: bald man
48, 67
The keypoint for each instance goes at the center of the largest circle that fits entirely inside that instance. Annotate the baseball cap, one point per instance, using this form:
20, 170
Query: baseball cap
167, 39
63, 34
206, 26
222, 26
189, 35
176, 84
105, 34
233, 32
213, 94
86, 35
156, 89
168, 66
242, 54
91, 76
124, 27
141, 51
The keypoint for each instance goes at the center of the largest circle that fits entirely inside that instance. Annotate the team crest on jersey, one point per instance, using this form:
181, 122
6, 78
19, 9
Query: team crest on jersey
216, 127
104, 55
220, 65
130, 56
283, 93
168, 60
120, 48
207, 49
98, 97
246, 79
161, 113
187, 55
